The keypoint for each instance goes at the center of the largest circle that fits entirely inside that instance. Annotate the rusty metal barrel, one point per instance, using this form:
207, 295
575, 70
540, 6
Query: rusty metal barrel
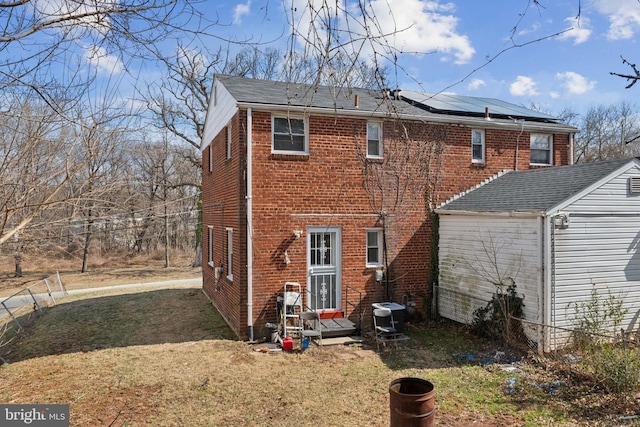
411, 402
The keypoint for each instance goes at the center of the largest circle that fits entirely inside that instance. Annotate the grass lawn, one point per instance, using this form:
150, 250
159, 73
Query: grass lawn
166, 358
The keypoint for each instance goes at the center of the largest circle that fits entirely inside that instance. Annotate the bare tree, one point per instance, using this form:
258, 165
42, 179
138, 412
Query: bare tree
407, 175
605, 133
38, 162
43, 84
631, 78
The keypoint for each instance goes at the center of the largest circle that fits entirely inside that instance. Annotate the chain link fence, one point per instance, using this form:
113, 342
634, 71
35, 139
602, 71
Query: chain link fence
17, 310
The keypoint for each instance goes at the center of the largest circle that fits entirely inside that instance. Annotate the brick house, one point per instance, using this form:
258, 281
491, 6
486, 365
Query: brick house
336, 190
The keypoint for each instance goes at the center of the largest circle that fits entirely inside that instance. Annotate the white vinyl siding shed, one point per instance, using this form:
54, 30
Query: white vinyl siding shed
584, 235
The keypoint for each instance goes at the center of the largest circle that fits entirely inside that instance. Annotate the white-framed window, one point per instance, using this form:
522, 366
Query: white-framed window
210, 158
477, 146
374, 247
210, 242
230, 254
374, 140
541, 149
229, 136
289, 135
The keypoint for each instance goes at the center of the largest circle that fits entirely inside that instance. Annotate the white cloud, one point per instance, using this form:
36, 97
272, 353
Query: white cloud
574, 83
523, 86
241, 10
624, 17
89, 14
475, 84
403, 26
104, 63
554, 95
525, 31
192, 58
579, 32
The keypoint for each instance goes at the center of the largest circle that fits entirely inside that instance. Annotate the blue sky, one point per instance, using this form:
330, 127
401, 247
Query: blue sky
472, 46
555, 54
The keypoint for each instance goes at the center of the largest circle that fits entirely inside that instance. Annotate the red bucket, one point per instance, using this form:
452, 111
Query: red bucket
287, 344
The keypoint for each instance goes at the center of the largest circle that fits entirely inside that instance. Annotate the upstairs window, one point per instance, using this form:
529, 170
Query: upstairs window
210, 157
541, 149
477, 146
229, 135
374, 140
289, 135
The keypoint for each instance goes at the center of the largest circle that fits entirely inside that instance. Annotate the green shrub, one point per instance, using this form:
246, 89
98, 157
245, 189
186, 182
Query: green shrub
497, 320
616, 369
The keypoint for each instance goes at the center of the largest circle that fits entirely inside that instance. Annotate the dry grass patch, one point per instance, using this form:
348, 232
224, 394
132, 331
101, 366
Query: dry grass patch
166, 358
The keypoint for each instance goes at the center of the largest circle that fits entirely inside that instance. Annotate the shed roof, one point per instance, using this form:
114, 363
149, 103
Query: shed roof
534, 190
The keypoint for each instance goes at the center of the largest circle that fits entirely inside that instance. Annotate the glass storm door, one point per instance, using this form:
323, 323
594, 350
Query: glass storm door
323, 254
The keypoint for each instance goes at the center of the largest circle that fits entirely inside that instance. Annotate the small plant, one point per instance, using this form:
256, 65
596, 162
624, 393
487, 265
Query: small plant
597, 318
616, 369
496, 319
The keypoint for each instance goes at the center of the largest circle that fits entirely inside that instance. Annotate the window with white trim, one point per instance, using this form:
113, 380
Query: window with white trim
210, 242
374, 140
230, 254
229, 136
210, 158
541, 149
374, 247
289, 135
477, 146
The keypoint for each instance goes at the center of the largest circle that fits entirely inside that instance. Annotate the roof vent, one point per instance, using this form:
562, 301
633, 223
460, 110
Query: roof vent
634, 185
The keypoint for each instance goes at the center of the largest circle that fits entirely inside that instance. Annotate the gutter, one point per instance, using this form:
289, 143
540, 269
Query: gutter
509, 214
249, 226
479, 122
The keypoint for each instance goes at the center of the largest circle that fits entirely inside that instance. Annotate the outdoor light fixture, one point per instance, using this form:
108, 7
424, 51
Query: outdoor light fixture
297, 233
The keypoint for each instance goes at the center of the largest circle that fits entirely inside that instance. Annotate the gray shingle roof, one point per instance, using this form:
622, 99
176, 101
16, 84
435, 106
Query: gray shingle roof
535, 190
283, 94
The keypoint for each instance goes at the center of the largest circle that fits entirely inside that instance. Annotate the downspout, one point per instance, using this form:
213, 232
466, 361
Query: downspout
249, 228
572, 138
515, 165
540, 285
548, 278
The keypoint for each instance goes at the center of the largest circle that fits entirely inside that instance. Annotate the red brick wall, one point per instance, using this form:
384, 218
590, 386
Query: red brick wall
326, 189
224, 206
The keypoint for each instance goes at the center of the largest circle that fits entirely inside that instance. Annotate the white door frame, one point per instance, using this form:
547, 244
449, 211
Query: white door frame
314, 271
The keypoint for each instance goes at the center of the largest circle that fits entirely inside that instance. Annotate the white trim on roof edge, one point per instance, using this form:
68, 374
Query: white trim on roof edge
570, 200
465, 192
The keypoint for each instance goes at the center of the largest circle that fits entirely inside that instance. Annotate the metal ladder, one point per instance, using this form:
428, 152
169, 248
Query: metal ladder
291, 309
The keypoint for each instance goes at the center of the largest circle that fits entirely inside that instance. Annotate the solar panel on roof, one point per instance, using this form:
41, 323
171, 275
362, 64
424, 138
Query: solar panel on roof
471, 105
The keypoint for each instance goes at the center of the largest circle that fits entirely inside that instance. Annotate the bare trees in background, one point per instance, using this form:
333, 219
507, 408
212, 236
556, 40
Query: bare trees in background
85, 175
68, 135
608, 132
